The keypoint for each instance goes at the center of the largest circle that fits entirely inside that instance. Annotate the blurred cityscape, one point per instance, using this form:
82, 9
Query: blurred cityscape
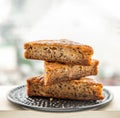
18, 25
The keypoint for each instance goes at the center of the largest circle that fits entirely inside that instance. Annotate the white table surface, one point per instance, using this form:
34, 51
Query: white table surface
6, 105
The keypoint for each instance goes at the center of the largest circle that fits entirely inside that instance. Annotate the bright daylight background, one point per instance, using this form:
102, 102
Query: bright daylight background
92, 22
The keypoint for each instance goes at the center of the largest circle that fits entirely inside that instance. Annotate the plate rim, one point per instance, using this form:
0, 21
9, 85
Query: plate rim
49, 109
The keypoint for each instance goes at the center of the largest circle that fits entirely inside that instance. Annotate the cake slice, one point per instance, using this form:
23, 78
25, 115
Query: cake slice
82, 89
62, 51
56, 72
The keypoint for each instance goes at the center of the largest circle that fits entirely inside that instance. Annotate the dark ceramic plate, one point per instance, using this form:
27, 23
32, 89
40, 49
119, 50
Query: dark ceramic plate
18, 96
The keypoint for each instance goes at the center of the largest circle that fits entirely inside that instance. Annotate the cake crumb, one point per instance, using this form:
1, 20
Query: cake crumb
51, 99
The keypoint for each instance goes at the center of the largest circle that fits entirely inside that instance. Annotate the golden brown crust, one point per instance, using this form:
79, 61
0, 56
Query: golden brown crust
62, 42
82, 89
62, 51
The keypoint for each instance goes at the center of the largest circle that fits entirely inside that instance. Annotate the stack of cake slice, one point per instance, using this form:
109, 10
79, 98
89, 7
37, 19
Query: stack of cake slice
67, 64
